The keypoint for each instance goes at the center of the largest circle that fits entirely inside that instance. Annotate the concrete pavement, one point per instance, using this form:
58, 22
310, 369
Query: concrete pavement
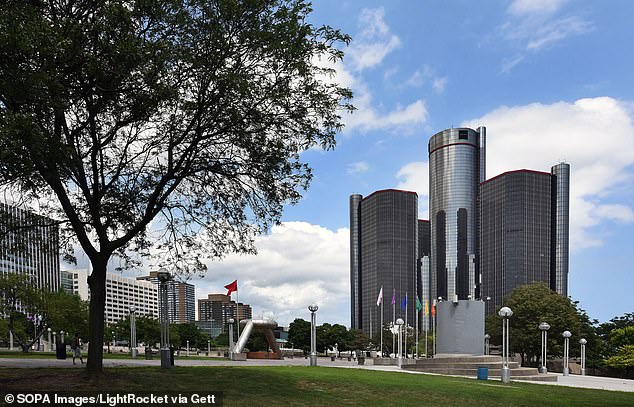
590, 382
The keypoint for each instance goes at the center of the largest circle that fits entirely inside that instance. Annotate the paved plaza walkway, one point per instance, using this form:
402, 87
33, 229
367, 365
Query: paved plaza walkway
590, 382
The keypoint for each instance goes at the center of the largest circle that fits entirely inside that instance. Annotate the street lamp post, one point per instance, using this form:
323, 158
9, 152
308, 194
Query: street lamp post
114, 341
566, 336
166, 359
133, 349
505, 313
544, 327
487, 337
49, 339
313, 334
399, 360
187, 348
583, 342
231, 320
62, 336
54, 340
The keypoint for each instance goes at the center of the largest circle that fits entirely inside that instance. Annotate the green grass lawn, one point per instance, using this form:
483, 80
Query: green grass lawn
314, 386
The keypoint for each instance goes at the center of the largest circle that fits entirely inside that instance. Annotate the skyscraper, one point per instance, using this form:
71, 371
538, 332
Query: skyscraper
524, 232
29, 244
181, 299
220, 307
383, 254
456, 168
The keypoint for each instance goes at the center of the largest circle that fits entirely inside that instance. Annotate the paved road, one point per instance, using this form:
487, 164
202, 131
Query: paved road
590, 382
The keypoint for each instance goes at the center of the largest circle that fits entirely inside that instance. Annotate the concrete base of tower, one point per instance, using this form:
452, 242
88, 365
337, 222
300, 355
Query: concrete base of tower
460, 327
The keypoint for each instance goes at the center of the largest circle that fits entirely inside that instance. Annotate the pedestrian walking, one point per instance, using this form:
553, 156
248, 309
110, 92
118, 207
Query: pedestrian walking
76, 348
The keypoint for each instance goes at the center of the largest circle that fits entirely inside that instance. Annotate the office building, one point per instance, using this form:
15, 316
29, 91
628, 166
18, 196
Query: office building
29, 244
383, 254
424, 277
181, 299
121, 294
456, 168
219, 308
524, 232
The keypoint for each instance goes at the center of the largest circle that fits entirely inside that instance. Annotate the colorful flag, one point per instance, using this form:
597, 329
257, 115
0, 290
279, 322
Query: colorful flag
394, 297
426, 308
433, 310
419, 306
404, 302
231, 287
380, 299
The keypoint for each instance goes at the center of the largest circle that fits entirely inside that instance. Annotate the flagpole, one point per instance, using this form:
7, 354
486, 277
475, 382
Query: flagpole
426, 327
393, 319
237, 311
381, 328
405, 339
417, 327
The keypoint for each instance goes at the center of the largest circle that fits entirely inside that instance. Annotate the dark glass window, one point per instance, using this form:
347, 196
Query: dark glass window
463, 134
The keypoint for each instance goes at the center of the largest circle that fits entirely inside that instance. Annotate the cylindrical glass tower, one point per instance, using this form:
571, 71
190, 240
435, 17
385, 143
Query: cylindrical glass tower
355, 259
455, 165
560, 227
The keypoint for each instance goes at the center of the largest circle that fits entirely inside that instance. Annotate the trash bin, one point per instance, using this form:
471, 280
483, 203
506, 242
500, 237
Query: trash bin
172, 355
483, 373
332, 358
60, 350
148, 353
361, 360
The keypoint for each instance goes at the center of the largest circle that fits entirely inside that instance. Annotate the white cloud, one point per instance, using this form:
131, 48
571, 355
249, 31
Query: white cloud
297, 264
357, 167
557, 30
414, 176
439, 84
531, 7
369, 116
595, 135
534, 25
374, 40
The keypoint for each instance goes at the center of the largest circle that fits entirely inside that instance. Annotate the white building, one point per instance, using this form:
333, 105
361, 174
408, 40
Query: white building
121, 294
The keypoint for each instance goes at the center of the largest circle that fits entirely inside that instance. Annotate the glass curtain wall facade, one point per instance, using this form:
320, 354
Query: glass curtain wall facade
387, 243
561, 227
355, 260
456, 168
29, 244
424, 248
515, 233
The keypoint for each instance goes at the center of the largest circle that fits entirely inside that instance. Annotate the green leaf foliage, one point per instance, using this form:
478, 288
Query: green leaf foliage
531, 305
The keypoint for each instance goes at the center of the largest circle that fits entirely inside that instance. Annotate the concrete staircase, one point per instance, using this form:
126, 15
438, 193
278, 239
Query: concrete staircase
468, 366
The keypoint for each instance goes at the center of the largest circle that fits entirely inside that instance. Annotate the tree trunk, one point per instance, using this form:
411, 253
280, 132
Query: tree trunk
97, 284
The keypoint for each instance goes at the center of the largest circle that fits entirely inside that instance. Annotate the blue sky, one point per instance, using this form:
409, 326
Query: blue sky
550, 79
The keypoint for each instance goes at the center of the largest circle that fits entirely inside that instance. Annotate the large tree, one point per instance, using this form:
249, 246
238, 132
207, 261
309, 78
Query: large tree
59, 311
171, 127
531, 305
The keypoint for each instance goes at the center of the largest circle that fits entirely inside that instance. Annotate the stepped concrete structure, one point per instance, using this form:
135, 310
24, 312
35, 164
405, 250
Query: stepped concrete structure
468, 366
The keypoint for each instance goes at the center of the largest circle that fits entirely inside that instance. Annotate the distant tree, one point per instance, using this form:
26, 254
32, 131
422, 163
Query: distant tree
170, 127
257, 342
622, 337
67, 312
299, 334
60, 310
623, 360
531, 305
606, 329
357, 339
190, 332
